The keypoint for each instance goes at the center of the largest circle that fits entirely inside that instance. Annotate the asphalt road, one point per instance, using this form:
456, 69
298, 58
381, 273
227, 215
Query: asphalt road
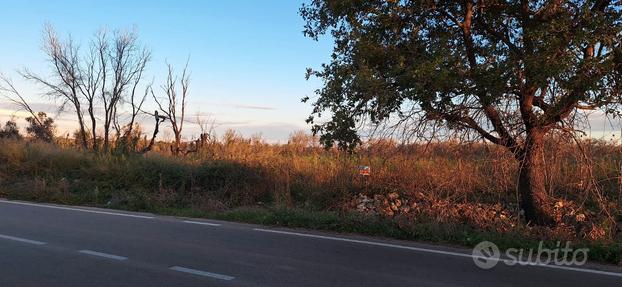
51, 245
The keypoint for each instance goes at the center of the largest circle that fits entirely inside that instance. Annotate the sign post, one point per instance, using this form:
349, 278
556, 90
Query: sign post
365, 172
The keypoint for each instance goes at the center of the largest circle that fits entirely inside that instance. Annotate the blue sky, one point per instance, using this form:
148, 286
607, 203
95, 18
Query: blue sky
248, 58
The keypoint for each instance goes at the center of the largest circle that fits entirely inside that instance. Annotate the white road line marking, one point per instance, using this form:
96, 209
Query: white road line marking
76, 209
105, 255
202, 273
418, 249
202, 223
24, 240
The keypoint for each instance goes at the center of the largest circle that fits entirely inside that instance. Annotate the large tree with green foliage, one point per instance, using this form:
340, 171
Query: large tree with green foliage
508, 71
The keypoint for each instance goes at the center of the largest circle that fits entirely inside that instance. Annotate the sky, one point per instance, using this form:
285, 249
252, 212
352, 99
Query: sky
247, 58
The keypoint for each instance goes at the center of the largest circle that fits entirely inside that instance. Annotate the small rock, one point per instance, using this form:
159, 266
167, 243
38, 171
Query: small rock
580, 217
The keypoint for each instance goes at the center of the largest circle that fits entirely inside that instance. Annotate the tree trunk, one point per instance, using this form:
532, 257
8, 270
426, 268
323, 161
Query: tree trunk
534, 200
106, 136
93, 126
177, 144
83, 139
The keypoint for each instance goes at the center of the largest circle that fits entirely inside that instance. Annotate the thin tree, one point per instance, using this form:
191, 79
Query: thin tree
510, 72
92, 80
64, 84
127, 140
207, 126
127, 62
173, 107
136, 104
9, 92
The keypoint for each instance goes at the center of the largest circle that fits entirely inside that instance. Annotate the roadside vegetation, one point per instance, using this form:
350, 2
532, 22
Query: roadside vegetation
439, 192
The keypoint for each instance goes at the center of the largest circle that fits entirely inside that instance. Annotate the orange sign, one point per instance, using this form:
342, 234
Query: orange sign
364, 170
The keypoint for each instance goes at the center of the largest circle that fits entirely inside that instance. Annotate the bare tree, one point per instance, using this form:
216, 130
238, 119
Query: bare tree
10, 93
158, 120
207, 125
136, 104
109, 73
129, 136
66, 80
127, 63
92, 79
174, 106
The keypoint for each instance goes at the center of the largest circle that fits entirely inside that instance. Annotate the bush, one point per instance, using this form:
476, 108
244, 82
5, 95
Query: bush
10, 131
41, 127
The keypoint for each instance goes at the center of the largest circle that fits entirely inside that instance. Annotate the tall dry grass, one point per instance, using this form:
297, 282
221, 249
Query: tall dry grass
447, 181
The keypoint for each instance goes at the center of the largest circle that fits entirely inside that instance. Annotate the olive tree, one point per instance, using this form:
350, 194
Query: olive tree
510, 72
